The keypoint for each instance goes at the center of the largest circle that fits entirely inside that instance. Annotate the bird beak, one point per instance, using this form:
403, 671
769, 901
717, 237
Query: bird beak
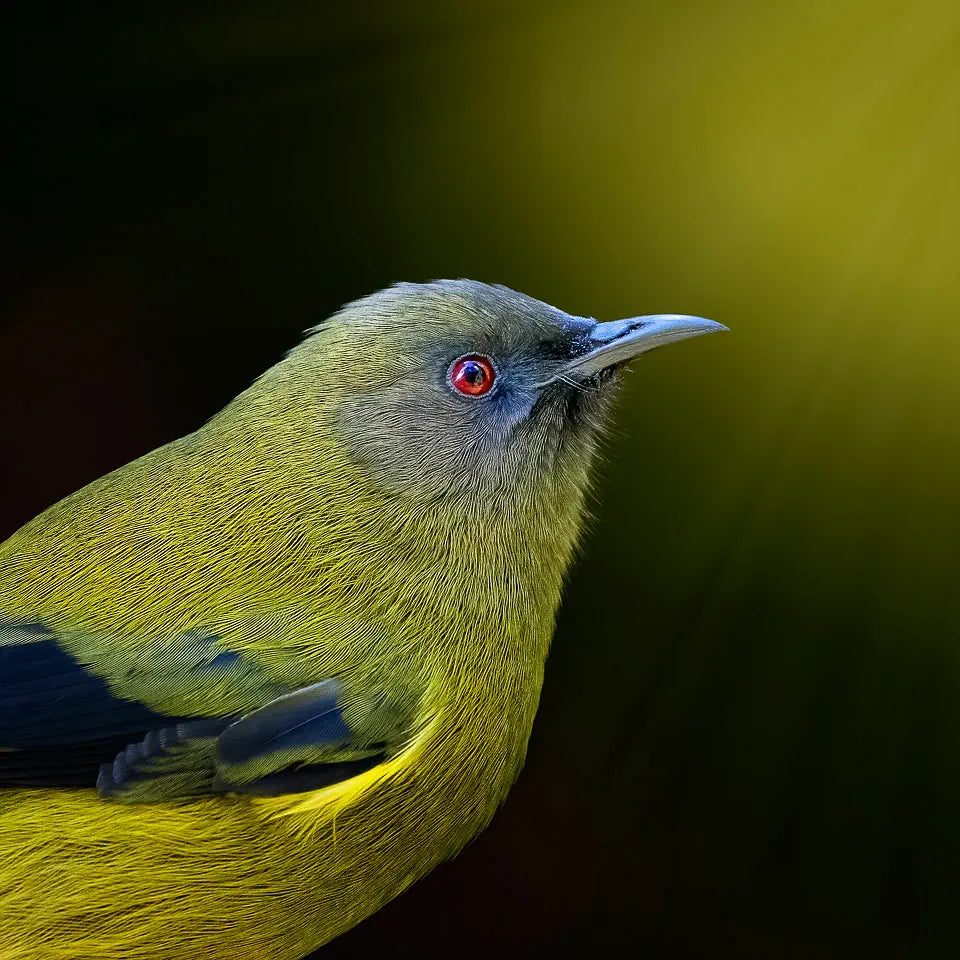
612, 344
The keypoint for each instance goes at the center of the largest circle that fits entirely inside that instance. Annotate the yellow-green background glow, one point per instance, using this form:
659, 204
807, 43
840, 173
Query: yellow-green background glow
750, 733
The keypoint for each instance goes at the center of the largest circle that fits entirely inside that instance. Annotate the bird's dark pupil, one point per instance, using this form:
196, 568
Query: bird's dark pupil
473, 373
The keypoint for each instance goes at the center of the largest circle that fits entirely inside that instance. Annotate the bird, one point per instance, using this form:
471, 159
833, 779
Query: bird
257, 682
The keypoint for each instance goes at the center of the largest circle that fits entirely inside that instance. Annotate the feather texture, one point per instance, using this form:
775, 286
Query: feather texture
349, 521
47, 699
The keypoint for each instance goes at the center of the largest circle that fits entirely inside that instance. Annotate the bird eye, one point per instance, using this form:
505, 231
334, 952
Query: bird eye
472, 375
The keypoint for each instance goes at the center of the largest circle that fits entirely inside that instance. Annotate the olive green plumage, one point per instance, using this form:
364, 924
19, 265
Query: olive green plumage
353, 518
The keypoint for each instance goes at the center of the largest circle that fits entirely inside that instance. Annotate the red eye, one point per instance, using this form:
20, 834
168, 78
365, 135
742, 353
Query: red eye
472, 375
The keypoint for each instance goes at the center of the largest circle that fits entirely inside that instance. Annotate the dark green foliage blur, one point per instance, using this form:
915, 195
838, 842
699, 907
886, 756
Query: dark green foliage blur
749, 739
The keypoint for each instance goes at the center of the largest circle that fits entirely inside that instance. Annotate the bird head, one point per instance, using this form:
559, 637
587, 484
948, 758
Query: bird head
463, 391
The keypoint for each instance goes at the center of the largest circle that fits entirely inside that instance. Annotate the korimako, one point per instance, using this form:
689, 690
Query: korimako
257, 682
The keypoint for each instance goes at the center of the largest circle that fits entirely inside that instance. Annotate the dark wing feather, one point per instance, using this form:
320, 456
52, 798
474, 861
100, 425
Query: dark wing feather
48, 699
63, 726
56, 766
296, 720
59, 722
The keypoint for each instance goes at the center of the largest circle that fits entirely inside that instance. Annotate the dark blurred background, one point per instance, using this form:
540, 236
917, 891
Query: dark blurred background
749, 733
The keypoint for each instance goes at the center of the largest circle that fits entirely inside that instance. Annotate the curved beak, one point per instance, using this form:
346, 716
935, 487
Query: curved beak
612, 344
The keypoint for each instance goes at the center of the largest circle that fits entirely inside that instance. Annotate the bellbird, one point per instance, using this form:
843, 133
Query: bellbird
257, 682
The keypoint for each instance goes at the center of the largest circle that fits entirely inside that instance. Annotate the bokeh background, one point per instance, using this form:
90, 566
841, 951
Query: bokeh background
749, 734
